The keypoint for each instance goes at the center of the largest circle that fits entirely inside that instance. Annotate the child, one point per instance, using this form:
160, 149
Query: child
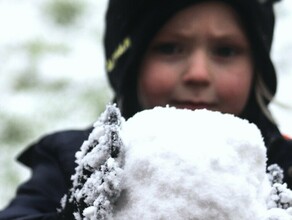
184, 53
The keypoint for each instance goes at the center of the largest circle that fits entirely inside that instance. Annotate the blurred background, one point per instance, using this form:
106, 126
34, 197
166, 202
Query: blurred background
52, 74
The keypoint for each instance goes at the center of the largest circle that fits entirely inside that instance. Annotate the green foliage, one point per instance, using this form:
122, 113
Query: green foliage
97, 99
37, 47
65, 12
13, 129
28, 78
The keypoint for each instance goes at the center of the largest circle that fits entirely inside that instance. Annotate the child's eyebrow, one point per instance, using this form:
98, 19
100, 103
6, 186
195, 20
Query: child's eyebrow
173, 35
230, 38
227, 36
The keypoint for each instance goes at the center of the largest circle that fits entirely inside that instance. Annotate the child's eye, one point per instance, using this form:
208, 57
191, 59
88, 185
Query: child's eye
167, 48
226, 51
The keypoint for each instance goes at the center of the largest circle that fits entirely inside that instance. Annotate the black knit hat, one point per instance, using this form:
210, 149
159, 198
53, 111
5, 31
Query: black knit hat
132, 24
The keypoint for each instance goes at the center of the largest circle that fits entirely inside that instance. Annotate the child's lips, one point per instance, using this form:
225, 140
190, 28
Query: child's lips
192, 105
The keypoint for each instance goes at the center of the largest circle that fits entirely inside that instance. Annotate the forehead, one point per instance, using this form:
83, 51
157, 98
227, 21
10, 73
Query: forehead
215, 15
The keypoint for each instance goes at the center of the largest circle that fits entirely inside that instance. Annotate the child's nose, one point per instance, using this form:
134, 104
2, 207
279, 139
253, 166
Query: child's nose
197, 68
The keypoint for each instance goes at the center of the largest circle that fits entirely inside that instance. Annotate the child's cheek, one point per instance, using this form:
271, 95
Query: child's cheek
156, 85
234, 94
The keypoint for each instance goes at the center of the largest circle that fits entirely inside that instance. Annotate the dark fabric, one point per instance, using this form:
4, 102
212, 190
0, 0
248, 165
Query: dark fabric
140, 20
52, 164
279, 149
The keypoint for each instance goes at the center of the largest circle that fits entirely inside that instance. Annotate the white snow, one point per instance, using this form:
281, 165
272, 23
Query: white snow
98, 175
183, 164
169, 163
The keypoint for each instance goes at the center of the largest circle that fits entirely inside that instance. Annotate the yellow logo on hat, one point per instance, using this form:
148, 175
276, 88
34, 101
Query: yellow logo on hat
121, 49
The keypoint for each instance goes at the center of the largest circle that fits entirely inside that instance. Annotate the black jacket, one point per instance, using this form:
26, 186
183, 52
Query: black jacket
52, 164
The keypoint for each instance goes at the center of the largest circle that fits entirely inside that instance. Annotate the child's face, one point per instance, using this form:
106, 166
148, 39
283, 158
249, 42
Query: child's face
201, 58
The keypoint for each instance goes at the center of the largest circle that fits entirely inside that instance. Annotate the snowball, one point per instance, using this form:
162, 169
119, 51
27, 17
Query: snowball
184, 164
